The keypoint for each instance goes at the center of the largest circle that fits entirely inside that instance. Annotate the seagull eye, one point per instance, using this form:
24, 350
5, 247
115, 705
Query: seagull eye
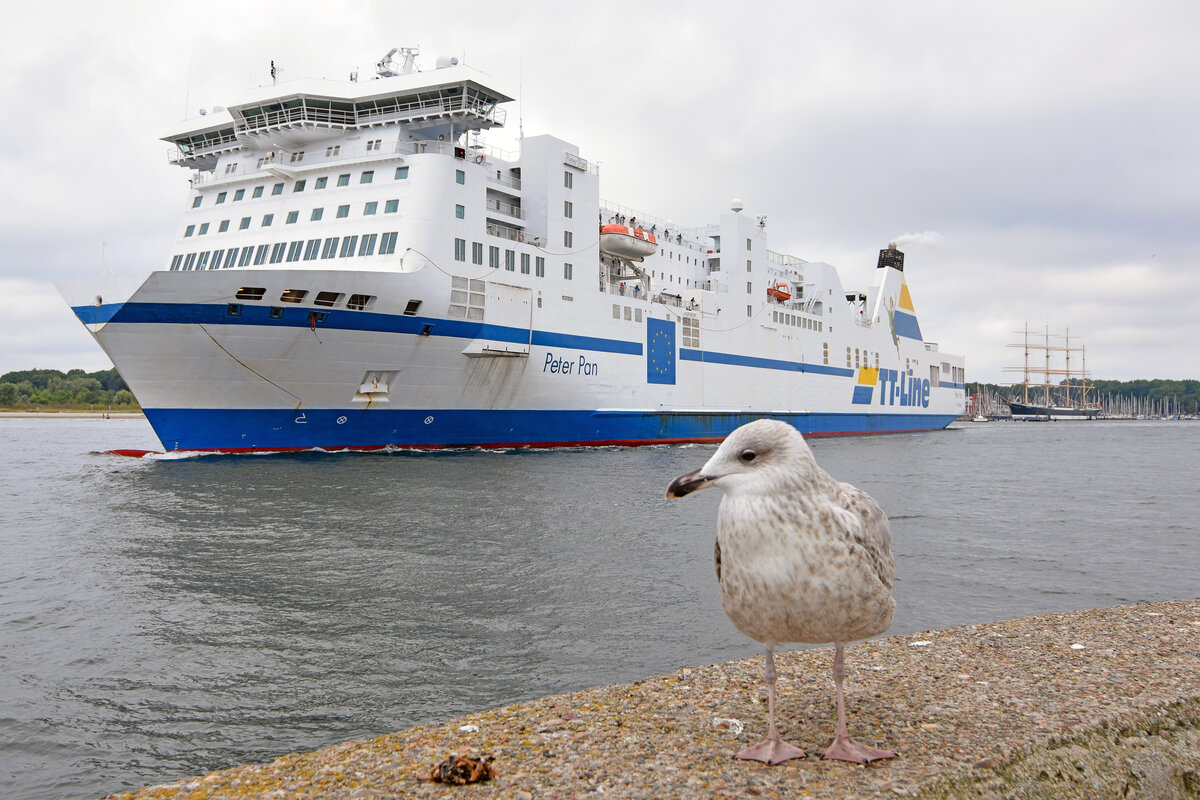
748, 455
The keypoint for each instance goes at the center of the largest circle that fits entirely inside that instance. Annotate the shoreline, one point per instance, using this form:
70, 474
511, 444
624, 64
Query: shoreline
1101, 702
72, 415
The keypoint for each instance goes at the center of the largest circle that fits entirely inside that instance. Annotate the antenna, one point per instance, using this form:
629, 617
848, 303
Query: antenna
521, 96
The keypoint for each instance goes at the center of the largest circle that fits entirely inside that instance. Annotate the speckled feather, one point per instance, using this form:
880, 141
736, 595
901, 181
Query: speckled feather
800, 556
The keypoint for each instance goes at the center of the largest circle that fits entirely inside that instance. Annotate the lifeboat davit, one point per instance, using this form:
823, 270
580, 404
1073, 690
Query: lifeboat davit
626, 242
779, 291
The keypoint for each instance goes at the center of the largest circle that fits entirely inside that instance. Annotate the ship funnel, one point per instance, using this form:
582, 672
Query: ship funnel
891, 257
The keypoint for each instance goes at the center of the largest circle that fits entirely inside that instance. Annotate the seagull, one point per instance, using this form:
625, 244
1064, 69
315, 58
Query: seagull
801, 557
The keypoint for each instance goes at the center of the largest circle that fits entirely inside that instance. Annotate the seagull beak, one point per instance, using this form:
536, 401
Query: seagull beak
686, 484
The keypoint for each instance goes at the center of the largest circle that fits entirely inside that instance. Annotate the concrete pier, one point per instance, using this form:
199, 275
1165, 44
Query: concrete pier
1100, 703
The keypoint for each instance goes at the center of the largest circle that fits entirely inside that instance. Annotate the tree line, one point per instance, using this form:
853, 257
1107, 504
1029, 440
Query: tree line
1157, 391
75, 389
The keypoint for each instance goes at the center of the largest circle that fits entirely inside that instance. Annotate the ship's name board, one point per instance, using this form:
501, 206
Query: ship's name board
572, 160
899, 389
567, 365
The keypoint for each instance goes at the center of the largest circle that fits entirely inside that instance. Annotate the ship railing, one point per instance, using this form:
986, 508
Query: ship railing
506, 208
512, 234
387, 112
178, 154
692, 238
509, 182
785, 260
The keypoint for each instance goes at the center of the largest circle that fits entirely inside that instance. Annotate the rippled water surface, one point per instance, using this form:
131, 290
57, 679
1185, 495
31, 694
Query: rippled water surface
162, 618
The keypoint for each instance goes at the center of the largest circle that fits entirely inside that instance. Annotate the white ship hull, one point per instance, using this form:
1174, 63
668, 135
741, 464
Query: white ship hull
285, 330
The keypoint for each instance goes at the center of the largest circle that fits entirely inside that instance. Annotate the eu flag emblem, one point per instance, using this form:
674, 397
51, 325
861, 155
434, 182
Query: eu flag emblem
660, 351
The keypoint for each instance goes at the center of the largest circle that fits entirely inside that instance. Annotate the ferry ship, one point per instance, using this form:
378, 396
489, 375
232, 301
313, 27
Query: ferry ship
358, 268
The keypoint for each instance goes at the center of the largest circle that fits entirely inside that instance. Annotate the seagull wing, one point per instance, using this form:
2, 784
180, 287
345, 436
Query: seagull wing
866, 526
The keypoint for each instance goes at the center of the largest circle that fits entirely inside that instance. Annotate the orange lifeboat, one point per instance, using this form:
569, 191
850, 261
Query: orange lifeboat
627, 242
780, 292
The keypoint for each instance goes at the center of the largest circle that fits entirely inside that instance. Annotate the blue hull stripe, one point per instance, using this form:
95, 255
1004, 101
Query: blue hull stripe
277, 429
710, 357
208, 314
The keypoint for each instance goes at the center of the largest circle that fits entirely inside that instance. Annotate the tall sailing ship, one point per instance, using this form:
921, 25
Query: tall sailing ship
358, 268
1064, 399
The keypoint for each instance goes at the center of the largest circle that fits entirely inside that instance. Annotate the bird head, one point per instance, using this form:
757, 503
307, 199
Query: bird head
765, 453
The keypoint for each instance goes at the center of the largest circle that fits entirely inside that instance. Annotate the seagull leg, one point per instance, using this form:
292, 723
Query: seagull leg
844, 748
773, 749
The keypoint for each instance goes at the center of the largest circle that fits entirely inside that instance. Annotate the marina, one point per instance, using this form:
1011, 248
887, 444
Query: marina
358, 267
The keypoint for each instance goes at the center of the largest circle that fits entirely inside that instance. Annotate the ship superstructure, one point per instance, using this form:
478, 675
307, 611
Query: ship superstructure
358, 268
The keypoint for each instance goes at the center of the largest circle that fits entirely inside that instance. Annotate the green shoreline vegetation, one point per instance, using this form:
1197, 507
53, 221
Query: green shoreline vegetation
75, 390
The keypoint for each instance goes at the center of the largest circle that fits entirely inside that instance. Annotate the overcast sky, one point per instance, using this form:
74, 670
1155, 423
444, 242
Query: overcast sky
1037, 161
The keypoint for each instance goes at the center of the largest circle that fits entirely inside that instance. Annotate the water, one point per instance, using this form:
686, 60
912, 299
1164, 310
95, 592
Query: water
160, 619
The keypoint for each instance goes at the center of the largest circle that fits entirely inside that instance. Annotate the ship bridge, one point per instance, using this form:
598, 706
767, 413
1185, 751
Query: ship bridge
446, 101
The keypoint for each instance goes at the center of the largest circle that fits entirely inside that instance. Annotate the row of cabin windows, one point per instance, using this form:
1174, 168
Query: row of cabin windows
797, 321
366, 176
369, 209
355, 302
865, 362
510, 259
299, 250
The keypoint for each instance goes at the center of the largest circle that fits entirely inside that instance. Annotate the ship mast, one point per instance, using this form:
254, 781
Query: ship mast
1049, 370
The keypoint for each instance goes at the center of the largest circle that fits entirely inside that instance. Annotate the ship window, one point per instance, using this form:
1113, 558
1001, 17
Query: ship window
247, 253
568, 271
221, 198
327, 298
276, 312
292, 217
749, 287
387, 244
258, 190
748, 243
847, 356
637, 315
332, 150
344, 180
239, 194
476, 252
628, 314
202, 261
230, 258
203, 228
568, 180
196, 201
299, 187
293, 295
267, 220
277, 189
460, 249
360, 302
749, 264
367, 176
250, 293
568, 209
189, 231
260, 255
510, 260
391, 206
369, 208
539, 266
460, 176
294, 250
826, 351
277, 251
233, 310
410, 310
460, 211
494, 257
224, 226
320, 184
330, 247
568, 239
934, 375
312, 249
244, 224
187, 262
343, 212
401, 173
368, 245
749, 311
524, 263
348, 245
175, 261
616, 310
317, 213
